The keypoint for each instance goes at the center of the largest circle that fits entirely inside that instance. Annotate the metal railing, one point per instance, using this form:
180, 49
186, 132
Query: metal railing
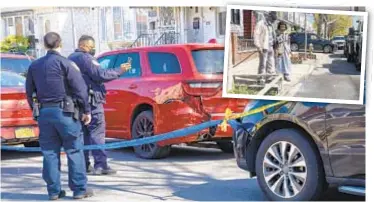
144, 40
168, 38
246, 44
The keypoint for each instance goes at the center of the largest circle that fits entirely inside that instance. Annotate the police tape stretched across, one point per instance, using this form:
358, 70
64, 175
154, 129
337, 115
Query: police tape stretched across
228, 120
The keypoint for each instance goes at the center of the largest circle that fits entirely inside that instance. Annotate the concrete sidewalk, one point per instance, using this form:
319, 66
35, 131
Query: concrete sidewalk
250, 66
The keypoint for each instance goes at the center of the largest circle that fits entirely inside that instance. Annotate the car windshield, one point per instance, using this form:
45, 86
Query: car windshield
10, 79
339, 38
19, 66
209, 61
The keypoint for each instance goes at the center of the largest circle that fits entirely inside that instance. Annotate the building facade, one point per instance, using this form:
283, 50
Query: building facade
116, 27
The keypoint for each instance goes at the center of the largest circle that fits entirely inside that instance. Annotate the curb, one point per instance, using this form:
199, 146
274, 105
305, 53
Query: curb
297, 86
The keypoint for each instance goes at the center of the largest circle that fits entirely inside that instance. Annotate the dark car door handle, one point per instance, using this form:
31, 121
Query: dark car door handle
133, 86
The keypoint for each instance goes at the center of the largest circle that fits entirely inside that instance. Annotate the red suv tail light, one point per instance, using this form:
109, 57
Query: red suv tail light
202, 88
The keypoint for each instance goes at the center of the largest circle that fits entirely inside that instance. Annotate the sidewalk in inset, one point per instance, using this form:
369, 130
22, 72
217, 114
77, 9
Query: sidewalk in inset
250, 67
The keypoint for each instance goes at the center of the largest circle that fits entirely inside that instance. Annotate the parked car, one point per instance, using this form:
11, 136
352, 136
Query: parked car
339, 41
169, 87
17, 124
319, 44
360, 30
18, 63
298, 149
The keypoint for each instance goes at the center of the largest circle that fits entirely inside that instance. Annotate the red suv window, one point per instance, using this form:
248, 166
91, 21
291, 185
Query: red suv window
135, 70
208, 61
107, 62
164, 63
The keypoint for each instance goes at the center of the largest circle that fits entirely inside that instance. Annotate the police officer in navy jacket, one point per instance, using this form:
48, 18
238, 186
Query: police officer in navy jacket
95, 77
57, 81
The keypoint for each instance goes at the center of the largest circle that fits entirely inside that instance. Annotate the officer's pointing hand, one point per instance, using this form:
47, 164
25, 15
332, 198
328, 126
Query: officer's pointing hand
125, 66
86, 118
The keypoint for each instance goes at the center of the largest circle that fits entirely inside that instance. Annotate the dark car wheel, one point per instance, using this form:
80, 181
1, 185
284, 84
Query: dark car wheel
226, 146
31, 144
143, 127
294, 47
288, 167
327, 49
358, 66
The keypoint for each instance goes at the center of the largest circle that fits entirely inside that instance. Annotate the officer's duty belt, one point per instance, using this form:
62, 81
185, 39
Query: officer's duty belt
52, 104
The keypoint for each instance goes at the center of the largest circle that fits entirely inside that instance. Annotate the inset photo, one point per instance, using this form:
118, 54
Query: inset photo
297, 54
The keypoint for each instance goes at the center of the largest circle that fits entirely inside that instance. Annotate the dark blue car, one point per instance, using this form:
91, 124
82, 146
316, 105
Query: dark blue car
319, 44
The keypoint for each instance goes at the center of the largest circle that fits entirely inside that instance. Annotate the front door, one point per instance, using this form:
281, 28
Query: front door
195, 32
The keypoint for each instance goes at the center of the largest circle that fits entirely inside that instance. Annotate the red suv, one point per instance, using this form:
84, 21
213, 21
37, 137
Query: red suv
169, 87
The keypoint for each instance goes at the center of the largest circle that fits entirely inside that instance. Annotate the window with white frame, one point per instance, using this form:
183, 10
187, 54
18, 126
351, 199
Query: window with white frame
122, 24
103, 23
18, 25
141, 21
117, 23
222, 23
235, 16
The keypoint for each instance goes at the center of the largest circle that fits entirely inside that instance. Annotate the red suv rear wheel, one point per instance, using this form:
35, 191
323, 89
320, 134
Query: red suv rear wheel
143, 126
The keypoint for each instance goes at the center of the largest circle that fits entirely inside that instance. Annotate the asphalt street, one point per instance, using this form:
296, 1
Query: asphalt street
189, 174
332, 78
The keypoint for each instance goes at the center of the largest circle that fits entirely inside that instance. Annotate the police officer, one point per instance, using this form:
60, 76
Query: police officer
57, 82
94, 77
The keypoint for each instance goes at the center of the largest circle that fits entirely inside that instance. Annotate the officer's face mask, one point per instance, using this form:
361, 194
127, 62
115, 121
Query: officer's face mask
92, 51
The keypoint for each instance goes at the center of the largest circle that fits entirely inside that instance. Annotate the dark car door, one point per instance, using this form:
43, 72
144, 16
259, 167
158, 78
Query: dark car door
316, 41
345, 128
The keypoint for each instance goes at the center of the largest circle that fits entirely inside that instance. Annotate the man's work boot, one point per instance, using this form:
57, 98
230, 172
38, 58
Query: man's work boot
62, 194
88, 193
287, 77
261, 81
89, 169
101, 171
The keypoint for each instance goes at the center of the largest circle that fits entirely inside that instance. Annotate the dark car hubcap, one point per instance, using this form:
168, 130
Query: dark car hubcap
284, 169
144, 128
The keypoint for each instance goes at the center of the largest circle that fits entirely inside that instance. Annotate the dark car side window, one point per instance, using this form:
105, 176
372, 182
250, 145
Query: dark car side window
313, 37
135, 70
164, 63
107, 62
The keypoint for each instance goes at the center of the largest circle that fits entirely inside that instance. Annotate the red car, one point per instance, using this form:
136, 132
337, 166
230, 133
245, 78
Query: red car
18, 63
169, 87
17, 124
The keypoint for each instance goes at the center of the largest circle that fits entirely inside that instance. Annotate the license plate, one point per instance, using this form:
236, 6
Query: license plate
24, 133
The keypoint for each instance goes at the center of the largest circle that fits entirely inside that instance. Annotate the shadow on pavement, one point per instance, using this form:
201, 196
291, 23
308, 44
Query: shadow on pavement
333, 56
341, 67
24, 197
178, 154
230, 190
8, 155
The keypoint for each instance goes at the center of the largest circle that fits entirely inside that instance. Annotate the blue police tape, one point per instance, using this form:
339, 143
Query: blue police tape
131, 143
174, 134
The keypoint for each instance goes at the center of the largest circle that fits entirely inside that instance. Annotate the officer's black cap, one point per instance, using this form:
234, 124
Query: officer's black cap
52, 40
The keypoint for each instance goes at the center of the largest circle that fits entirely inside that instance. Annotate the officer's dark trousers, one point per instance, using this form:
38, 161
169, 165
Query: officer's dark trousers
94, 134
59, 129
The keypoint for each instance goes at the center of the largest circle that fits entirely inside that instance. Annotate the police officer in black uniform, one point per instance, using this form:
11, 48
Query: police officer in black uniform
95, 77
59, 89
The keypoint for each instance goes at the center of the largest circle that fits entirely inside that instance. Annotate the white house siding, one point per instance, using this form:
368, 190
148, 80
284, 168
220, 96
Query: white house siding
98, 22
209, 24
